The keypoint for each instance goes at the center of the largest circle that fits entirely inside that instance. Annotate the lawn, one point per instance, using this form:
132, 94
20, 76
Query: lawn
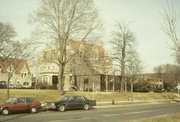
50, 95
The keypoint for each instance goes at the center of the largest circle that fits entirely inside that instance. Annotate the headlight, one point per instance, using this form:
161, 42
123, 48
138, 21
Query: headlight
44, 104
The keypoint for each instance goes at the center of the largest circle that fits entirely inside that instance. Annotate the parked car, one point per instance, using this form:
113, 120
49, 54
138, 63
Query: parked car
70, 102
3, 86
11, 86
22, 104
18, 86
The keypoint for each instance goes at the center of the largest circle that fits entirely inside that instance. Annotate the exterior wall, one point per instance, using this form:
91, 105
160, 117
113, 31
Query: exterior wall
21, 75
88, 82
17, 79
46, 71
155, 82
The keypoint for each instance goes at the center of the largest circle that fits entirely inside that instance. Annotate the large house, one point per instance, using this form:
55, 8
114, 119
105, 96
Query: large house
16, 70
86, 62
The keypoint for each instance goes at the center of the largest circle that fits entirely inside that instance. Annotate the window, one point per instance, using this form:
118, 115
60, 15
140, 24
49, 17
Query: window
94, 56
81, 54
71, 98
29, 100
25, 83
79, 99
21, 100
23, 75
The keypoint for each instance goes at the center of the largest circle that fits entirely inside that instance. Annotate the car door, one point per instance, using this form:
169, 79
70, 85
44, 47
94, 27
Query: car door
29, 103
71, 104
79, 102
20, 105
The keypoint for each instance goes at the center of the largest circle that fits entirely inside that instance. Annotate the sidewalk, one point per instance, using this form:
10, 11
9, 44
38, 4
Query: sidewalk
107, 104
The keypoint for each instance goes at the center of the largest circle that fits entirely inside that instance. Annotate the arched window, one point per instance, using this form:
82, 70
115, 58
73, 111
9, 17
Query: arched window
25, 83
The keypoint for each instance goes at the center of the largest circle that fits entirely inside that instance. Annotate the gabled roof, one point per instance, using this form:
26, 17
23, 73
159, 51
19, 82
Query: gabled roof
75, 46
88, 46
17, 64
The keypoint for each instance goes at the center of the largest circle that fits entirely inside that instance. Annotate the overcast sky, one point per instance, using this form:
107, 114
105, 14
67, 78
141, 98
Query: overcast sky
144, 15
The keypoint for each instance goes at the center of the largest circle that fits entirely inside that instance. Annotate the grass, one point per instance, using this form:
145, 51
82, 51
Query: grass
169, 118
51, 95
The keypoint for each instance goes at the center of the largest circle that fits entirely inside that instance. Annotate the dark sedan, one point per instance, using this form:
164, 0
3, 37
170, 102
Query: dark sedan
22, 104
71, 102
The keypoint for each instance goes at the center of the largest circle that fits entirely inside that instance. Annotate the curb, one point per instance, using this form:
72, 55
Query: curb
129, 103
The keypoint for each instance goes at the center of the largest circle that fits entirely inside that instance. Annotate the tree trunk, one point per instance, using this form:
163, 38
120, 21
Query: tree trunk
125, 83
122, 75
106, 80
8, 89
61, 79
123, 64
113, 83
8, 83
132, 85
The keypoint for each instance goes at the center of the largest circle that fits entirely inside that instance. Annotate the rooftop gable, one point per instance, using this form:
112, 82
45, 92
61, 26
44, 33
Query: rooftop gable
17, 64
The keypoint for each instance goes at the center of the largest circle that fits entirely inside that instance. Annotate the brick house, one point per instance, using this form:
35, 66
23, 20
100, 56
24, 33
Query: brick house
18, 68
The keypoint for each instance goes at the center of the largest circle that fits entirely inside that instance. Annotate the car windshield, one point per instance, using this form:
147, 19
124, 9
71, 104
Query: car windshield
11, 100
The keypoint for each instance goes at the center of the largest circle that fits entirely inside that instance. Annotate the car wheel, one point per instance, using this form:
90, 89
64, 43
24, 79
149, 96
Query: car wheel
86, 107
61, 108
5, 111
33, 110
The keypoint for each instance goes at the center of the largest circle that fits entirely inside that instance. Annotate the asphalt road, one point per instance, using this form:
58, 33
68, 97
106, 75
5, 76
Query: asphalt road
110, 114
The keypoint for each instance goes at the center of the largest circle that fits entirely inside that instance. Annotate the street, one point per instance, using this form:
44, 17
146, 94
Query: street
108, 114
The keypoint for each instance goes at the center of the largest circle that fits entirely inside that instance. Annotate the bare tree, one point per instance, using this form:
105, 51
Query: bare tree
134, 67
170, 74
7, 33
171, 28
65, 20
123, 43
12, 53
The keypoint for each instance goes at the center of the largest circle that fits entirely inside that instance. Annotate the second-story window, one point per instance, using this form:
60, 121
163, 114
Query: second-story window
94, 56
23, 75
